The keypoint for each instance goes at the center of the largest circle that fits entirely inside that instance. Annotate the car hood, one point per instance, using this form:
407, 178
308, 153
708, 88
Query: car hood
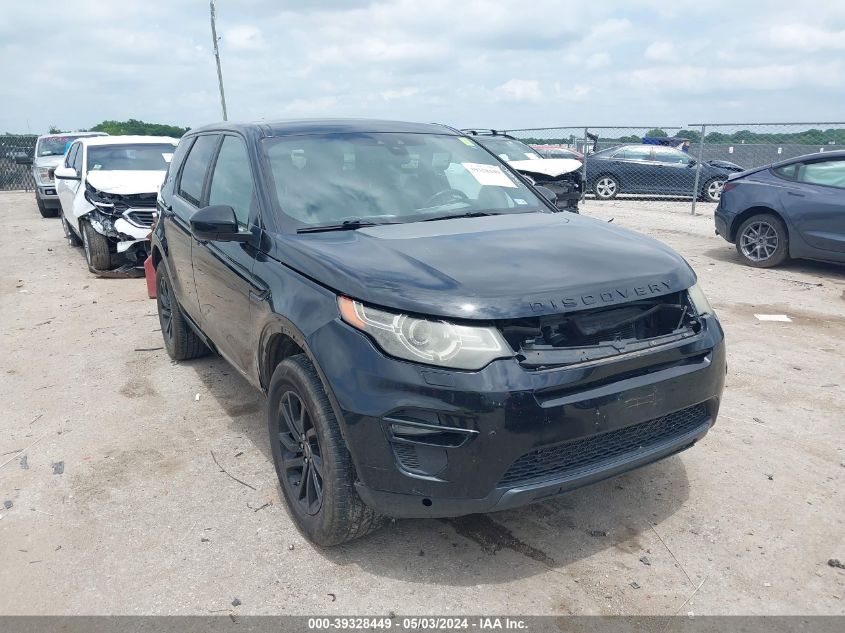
126, 182
495, 267
48, 161
546, 166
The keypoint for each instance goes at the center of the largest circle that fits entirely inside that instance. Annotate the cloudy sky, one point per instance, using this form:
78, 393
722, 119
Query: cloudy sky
494, 63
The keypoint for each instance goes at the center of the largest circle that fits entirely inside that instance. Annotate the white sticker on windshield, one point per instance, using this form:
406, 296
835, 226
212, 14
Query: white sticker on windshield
488, 175
531, 156
167, 156
519, 201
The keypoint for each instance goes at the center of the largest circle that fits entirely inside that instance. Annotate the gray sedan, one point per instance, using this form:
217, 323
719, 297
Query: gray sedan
795, 208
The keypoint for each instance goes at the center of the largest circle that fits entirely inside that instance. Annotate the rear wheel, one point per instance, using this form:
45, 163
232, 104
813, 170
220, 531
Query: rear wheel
72, 237
96, 248
606, 187
312, 461
43, 210
180, 340
762, 241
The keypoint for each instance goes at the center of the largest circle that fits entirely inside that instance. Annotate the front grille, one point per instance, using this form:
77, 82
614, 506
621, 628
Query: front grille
558, 461
140, 217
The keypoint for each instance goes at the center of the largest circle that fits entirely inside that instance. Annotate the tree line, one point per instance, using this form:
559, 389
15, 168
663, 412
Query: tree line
807, 137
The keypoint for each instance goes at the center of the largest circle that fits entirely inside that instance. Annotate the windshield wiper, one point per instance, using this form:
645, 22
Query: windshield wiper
346, 225
468, 214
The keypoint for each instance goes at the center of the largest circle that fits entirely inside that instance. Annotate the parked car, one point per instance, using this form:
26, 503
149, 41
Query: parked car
433, 339
651, 169
554, 151
560, 175
794, 208
49, 154
107, 188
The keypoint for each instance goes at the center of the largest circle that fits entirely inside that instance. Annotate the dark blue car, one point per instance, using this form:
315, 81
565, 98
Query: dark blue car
654, 170
795, 208
433, 338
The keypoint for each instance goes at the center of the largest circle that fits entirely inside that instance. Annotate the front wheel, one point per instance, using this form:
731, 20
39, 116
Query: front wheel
606, 187
762, 241
96, 248
312, 461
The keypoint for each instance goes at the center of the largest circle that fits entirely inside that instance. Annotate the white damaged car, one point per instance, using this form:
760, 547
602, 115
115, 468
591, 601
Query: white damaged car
563, 176
107, 188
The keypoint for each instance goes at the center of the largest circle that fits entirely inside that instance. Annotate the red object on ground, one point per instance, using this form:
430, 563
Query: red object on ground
150, 275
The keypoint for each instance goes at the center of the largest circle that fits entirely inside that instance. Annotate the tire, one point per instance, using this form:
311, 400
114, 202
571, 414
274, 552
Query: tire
70, 235
606, 187
321, 500
712, 190
180, 340
96, 248
43, 210
762, 241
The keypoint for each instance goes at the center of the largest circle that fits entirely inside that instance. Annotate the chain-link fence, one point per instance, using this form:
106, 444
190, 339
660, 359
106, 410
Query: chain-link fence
16, 155
688, 162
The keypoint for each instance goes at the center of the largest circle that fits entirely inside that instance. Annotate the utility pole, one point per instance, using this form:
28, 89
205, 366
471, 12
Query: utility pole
217, 57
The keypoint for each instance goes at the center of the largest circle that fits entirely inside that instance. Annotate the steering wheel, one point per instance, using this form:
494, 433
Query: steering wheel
448, 195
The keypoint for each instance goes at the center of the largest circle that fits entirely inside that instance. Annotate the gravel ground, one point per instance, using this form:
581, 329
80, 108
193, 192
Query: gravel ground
141, 521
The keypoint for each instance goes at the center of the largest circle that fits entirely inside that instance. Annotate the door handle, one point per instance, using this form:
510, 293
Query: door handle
796, 194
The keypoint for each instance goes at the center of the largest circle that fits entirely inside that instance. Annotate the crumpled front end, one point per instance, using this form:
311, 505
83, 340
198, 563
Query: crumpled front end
561, 175
124, 219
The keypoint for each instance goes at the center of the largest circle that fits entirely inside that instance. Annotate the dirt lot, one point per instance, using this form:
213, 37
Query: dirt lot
142, 521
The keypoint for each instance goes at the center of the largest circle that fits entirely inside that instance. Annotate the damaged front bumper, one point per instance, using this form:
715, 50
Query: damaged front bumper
128, 234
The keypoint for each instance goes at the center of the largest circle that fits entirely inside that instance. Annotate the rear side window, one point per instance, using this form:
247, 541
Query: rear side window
231, 182
788, 171
636, 153
830, 173
196, 166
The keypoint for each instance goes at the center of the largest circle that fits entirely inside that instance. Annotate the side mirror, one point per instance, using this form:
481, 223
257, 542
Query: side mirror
217, 223
547, 193
65, 173
23, 160
692, 163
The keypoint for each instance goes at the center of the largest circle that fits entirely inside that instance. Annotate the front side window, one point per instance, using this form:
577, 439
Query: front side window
71, 155
196, 167
77, 159
670, 156
231, 181
326, 179
830, 173
135, 157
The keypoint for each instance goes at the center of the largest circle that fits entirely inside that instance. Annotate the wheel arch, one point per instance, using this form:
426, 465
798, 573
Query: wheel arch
751, 211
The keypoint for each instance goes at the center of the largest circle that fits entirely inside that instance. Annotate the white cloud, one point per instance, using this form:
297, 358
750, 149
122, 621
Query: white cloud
660, 51
520, 90
244, 37
597, 60
805, 38
402, 93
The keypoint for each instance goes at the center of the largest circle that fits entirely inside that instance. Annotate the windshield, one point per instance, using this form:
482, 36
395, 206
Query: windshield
323, 180
54, 145
142, 156
509, 149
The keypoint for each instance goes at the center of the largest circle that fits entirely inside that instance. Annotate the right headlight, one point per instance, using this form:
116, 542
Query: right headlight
699, 301
42, 174
434, 342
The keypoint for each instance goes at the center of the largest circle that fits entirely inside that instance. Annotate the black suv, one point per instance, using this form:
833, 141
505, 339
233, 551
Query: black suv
433, 339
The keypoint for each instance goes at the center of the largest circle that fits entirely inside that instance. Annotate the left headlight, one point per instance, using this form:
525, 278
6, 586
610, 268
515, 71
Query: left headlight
430, 341
699, 301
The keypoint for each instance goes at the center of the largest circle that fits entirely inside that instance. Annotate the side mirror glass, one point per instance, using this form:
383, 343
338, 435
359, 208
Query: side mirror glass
217, 223
547, 193
66, 173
